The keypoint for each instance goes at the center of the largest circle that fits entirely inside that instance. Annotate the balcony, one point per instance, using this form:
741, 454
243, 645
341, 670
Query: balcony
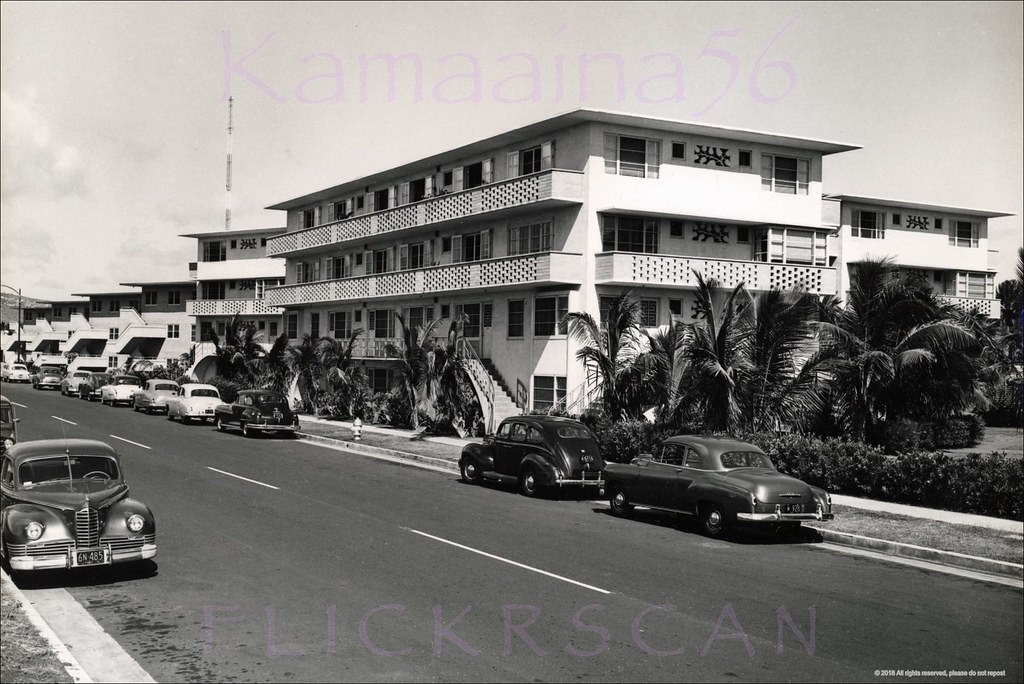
986, 307
141, 340
659, 270
257, 268
85, 339
545, 268
230, 307
551, 188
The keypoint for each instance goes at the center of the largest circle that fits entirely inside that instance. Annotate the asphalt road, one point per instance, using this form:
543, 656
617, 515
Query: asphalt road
326, 566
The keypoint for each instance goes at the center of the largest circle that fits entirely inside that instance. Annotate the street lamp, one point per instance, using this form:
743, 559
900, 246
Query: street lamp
17, 292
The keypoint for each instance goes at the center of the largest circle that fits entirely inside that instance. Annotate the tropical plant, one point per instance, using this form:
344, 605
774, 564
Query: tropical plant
341, 378
414, 365
238, 350
304, 366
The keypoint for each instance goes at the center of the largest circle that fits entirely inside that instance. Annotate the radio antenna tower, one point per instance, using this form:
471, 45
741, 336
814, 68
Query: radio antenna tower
227, 200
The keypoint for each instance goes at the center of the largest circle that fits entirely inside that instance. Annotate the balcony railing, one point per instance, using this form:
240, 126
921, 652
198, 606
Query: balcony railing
507, 272
230, 307
624, 268
553, 185
986, 307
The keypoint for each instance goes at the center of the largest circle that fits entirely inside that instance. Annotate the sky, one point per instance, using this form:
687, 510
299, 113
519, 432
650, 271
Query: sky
114, 116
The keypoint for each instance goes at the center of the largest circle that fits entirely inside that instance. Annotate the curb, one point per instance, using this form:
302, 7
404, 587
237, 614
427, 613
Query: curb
951, 558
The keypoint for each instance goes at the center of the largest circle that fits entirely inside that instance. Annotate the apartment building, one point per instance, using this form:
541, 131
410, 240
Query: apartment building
948, 246
230, 277
92, 346
54, 324
516, 230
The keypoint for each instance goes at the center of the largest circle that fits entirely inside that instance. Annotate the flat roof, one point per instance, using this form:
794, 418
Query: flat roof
236, 232
160, 282
571, 118
919, 206
105, 294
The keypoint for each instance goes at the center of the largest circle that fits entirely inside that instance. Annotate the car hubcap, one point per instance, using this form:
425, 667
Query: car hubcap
529, 482
714, 519
620, 500
470, 471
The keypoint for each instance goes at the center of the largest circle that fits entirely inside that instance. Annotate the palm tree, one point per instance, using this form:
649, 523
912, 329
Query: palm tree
238, 350
413, 354
339, 372
669, 365
305, 369
448, 396
612, 349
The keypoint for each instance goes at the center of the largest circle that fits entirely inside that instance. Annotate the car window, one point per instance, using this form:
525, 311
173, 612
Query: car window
203, 392
693, 459
534, 436
505, 430
672, 454
246, 400
745, 459
7, 472
6, 413
574, 432
166, 386
41, 470
127, 381
518, 432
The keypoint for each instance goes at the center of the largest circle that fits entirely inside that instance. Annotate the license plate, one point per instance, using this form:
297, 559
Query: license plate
85, 557
208, 412
792, 508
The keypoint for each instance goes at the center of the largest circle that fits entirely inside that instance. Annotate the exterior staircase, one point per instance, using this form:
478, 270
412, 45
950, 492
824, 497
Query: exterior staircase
504, 402
493, 394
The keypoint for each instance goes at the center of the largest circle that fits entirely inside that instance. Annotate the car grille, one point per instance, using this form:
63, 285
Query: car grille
44, 549
118, 544
87, 527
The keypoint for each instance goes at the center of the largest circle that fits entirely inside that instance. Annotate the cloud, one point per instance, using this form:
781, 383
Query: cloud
32, 162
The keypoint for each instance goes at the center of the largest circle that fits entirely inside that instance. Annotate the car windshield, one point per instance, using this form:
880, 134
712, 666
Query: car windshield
100, 378
57, 468
205, 393
166, 386
569, 432
18, 366
745, 459
126, 381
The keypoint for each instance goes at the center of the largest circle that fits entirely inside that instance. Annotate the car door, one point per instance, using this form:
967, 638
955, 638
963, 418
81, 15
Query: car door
508, 452
661, 475
239, 408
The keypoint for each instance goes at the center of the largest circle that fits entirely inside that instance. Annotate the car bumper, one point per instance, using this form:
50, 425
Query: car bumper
62, 560
783, 517
264, 427
582, 480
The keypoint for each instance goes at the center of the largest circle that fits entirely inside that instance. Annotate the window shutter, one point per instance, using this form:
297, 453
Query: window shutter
488, 170
547, 155
393, 196
456, 249
403, 193
403, 257
370, 202
653, 158
428, 253
513, 241
346, 266
802, 177
392, 261
316, 269
330, 322
368, 262
330, 272
611, 153
952, 232
298, 277
316, 215
428, 185
766, 172
330, 212
457, 182
513, 164
485, 244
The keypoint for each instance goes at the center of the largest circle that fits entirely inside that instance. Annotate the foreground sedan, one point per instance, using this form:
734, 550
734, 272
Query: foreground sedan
66, 505
255, 412
720, 481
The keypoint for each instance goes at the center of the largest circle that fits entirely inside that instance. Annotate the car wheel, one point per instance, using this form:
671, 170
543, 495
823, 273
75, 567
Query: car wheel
470, 472
529, 483
219, 422
619, 503
712, 520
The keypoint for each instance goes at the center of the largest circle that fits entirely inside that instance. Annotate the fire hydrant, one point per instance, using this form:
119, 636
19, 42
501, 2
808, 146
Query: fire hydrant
357, 429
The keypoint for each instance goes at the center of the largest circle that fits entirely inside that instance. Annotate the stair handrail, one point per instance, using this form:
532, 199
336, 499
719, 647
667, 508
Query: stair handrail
482, 379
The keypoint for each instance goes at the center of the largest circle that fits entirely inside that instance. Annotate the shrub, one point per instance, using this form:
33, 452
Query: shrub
228, 388
623, 441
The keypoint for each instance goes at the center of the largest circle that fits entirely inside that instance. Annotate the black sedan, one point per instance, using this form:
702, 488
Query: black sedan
720, 481
255, 412
66, 505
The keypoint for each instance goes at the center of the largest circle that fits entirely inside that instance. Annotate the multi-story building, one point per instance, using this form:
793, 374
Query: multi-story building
231, 276
947, 245
516, 230
57, 323
164, 329
92, 346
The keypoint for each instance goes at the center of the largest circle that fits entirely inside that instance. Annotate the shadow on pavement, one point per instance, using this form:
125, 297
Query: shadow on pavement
747, 535
85, 577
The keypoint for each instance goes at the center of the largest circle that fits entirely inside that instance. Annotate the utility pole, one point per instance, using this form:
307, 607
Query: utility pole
227, 209
18, 292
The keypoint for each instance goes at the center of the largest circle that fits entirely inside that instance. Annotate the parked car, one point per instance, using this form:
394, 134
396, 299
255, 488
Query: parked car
256, 411
8, 424
536, 453
120, 390
194, 401
15, 372
66, 505
90, 387
722, 482
154, 395
71, 383
47, 378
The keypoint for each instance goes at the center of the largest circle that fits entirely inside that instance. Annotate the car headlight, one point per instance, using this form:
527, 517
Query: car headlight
8, 443
135, 523
34, 530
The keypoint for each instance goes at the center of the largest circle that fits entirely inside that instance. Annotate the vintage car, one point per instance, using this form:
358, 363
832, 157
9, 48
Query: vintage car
47, 377
154, 395
536, 453
120, 390
66, 505
71, 383
255, 412
720, 481
8, 424
91, 386
15, 372
193, 402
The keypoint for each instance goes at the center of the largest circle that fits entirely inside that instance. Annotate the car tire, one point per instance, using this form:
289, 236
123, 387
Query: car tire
712, 521
219, 422
246, 432
529, 482
618, 502
470, 472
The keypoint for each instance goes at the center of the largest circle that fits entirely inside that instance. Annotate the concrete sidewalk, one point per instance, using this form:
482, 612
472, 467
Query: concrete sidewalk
442, 453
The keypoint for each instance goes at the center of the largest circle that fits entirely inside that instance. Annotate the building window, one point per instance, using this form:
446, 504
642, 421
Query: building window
963, 234
486, 314
471, 246
213, 290
97, 305
635, 157
529, 160
380, 380
868, 224
337, 267
938, 224
744, 161
112, 333
307, 271
112, 362
675, 307
149, 298
630, 234
649, 313
445, 311
380, 261
787, 175
174, 297
678, 150
529, 239
115, 304
896, 219
310, 218
339, 324
412, 256
675, 229
342, 210
780, 245
548, 313
516, 317
192, 334
214, 251
418, 316
974, 285
447, 179
314, 325
173, 331
471, 320
381, 323
548, 390
273, 329
291, 326
743, 234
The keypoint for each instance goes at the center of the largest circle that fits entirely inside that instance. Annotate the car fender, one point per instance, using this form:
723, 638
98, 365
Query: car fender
480, 455
18, 515
731, 497
620, 475
117, 518
542, 465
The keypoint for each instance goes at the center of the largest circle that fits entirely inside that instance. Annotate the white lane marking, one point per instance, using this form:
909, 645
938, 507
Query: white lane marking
19, 405
224, 472
510, 562
63, 420
131, 442
922, 564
